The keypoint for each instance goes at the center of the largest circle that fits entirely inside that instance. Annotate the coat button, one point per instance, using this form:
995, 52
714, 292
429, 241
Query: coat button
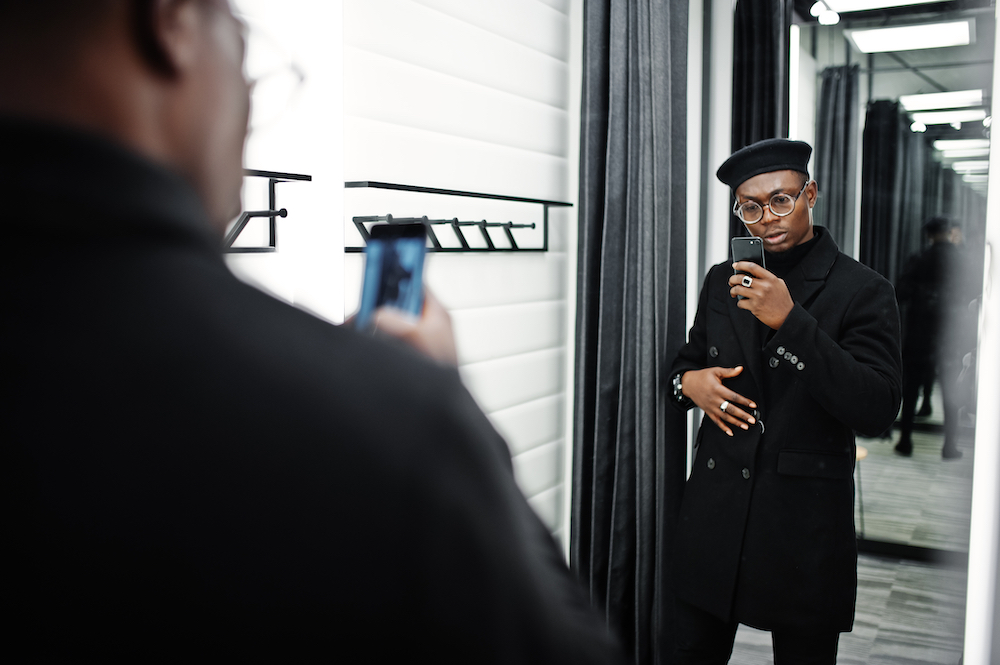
773, 362
801, 366
711, 463
714, 352
746, 473
794, 359
788, 355
781, 350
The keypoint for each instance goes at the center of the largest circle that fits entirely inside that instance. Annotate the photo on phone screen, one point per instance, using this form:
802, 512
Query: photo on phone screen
394, 267
747, 249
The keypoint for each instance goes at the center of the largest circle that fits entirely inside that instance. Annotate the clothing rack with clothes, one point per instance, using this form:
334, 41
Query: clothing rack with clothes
273, 212
455, 224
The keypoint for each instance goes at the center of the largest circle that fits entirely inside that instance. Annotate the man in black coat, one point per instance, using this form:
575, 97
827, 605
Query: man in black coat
785, 377
192, 469
935, 292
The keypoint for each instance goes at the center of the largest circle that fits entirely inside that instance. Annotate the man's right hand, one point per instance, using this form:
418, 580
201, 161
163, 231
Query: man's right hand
704, 387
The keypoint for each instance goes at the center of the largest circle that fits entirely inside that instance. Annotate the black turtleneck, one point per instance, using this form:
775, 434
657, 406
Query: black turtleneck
782, 263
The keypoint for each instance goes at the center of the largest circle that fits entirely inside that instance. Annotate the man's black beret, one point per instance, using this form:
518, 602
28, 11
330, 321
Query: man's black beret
763, 157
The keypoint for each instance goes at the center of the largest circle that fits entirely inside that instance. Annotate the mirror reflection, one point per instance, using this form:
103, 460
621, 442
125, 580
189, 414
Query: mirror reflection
901, 132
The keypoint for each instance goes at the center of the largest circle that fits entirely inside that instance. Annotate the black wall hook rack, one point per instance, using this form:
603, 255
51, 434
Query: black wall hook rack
273, 212
456, 224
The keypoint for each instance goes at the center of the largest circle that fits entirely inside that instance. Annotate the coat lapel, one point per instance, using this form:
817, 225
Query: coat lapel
748, 333
806, 280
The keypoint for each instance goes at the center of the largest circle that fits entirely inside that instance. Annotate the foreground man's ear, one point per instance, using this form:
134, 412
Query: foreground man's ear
164, 32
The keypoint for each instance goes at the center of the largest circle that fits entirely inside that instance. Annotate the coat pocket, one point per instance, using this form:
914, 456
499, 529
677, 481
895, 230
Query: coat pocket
815, 464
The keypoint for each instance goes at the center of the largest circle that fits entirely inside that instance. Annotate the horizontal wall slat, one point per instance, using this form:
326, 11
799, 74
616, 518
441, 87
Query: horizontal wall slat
394, 91
539, 469
499, 384
382, 151
561, 6
531, 424
441, 42
548, 506
486, 333
477, 280
523, 21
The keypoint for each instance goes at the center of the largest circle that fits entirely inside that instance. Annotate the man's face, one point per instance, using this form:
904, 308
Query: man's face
780, 234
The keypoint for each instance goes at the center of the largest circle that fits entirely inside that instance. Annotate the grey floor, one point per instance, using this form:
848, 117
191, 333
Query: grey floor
908, 612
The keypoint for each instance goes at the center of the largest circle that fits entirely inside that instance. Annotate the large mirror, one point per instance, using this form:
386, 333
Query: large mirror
910, 202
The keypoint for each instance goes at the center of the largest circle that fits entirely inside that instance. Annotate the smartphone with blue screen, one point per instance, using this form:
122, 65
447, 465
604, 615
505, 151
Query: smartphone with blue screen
394, 271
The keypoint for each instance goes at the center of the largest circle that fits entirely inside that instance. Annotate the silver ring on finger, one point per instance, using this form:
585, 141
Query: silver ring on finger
724, 406
747, 281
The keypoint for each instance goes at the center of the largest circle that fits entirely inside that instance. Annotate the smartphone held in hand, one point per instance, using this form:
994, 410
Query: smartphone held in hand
394, 266
747, 249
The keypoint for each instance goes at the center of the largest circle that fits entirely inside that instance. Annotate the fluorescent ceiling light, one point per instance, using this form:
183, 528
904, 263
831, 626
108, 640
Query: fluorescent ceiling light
912, 37
866, 5
942, 100
978, 165
949, 117
976, 178
964, 154
961, 144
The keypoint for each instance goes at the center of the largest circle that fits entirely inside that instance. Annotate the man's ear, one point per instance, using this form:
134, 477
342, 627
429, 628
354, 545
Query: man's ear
159, 29
812, 191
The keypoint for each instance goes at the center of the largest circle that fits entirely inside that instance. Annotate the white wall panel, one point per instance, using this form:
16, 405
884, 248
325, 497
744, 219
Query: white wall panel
506, 382
451, 46
474, 95
531, 424
486, 333
396, 92
377, 150
549, 505
539, 469
527, 22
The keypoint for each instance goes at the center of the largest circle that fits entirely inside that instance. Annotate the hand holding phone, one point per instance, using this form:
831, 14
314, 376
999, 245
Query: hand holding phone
394, 267
747, 249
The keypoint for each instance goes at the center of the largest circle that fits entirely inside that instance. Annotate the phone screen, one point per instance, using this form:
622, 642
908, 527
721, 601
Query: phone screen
747, 249
394, 267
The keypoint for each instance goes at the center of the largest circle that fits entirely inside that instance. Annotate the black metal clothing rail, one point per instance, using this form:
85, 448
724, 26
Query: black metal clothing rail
456, 224
273, 212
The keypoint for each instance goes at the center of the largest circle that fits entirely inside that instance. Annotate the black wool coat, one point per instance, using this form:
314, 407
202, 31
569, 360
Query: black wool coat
766, 531
190, 466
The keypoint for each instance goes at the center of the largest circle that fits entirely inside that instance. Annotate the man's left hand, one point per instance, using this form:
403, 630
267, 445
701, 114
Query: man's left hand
766, 297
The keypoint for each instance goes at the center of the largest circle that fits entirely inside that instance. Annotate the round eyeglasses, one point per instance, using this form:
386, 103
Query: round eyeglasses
781, 204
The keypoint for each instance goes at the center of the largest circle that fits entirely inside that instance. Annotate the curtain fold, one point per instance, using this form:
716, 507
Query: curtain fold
629, 445
760, 76
835, 158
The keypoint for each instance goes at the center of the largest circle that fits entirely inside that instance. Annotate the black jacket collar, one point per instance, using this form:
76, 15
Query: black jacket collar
67, 183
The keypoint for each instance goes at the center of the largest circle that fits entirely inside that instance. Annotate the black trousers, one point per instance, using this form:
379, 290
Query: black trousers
703, 639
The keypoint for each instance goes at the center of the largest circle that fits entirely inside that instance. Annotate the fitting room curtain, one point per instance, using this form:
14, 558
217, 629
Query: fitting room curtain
897, 174
835, 158
629, 444
760, 76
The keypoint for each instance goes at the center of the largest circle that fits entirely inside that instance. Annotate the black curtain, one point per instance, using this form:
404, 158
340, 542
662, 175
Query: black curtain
880, 154
836, 155
760, 75
629, 445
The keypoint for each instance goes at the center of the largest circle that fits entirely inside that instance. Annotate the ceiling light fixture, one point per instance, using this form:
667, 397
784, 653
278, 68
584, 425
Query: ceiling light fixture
913, 37
961, 144
949, 117
942, 100
974, 165
965, 154
918, 127
867, 5
976, 178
